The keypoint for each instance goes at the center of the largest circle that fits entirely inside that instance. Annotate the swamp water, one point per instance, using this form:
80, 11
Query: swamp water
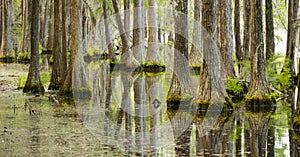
113, 123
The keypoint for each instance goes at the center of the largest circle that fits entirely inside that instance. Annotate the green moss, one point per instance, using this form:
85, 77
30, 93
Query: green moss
151, 64
155, 74
179, 98
260, 103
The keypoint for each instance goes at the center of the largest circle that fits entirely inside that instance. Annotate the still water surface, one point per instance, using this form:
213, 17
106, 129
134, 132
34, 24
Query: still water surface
97, 128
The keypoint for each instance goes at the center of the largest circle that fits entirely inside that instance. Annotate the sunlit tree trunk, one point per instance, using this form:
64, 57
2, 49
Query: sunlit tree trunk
258, 84
270, 44
33, 83
226, 36
237, 35
6, 42
56, 74
195, 55
152, 53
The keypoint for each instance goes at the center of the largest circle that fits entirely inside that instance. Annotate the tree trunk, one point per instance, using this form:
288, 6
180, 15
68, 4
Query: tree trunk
1, 12
33, 83
64, 48
258, 83
50, 27
152, 53
246, 34
226, 37
28, 27
127, 17
211, 87
45, 24
127, 56
181, 90
138, 31
6, 45
290, 50
76, 75
56, 74
108, 38
24, 23
270, 44
196, 54
237, 35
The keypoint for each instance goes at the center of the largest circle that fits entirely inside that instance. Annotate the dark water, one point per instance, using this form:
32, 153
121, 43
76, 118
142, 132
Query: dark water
128, 115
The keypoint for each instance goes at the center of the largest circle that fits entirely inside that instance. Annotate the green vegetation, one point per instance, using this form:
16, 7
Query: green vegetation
234, 87
279, 79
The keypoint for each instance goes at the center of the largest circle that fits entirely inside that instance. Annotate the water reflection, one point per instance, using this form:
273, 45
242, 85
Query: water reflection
128, 114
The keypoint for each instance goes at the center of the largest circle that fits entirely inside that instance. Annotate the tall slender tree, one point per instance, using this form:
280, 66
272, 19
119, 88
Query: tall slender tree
152, 53
33, 83
270, 44
226, 36
246, 32
237, 34
6, 42
290, 49
259, 87
195, 55
76, 74
57, 73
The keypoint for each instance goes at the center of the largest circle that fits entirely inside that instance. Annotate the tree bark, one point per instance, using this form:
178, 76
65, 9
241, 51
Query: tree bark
50, 27
24, 23
290, 50
258, 83
246, 34
152, 53
127, 17
195, 55
127, 56
109, 41
45, 25
211, 86
64, 48
76, 74
270, 44
226, 36
57, 72
33, 83
6, 44
138, 31
237, 35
